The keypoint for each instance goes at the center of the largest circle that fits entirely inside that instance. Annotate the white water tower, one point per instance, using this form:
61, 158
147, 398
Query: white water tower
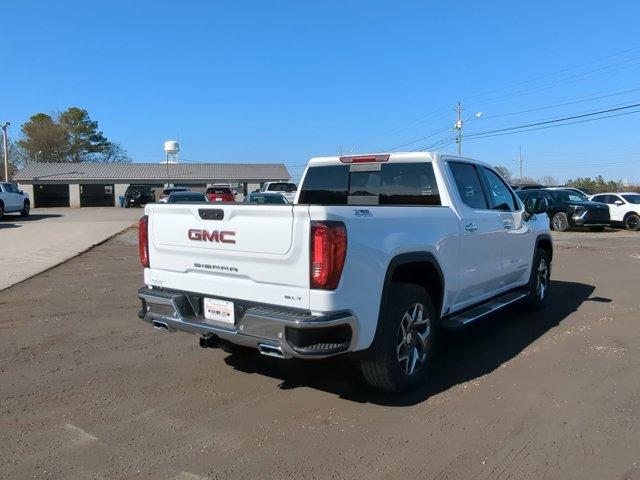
171, 149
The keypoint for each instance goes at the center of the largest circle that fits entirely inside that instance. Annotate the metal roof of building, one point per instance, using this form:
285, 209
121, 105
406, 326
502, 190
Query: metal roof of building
61, 172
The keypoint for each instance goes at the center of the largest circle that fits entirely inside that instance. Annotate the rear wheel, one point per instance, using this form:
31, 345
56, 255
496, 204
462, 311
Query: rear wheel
560, 222
539, 280
26, 208
1, 210
632, 222
400, 357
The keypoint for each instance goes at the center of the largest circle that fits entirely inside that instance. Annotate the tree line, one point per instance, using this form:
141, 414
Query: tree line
70, 136
595, 185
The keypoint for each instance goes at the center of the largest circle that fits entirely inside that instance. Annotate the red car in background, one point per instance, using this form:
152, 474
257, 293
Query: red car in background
220, 193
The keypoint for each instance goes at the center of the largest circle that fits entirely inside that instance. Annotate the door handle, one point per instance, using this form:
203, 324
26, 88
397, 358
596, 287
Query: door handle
471, 227
509, 225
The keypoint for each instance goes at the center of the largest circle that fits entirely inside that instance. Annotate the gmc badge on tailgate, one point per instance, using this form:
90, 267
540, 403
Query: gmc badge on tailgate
217, 236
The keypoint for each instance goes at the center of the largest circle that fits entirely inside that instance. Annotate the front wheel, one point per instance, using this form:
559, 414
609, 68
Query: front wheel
400, 356
539, 280
560, 222
26, 208
632, 222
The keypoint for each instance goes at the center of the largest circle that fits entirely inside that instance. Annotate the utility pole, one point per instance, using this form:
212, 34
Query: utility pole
5, 125
458, 127
521, 172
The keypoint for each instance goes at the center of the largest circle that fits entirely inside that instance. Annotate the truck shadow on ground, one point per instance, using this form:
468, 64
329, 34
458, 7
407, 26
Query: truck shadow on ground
460, 357
15, 221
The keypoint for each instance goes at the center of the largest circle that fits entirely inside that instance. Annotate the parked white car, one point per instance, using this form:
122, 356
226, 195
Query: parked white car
624, 208
13, 200
376, 253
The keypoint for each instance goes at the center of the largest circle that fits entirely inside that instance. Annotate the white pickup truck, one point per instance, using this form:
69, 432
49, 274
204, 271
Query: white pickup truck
377, 251
13, 200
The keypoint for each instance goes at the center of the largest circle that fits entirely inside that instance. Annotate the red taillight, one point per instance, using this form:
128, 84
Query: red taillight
328, 251
143, 240
364, 158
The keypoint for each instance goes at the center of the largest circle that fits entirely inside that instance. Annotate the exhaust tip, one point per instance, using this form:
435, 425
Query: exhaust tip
211, 341
160, 326
270, 350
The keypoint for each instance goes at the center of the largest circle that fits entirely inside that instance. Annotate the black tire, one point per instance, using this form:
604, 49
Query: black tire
1, 210
26, 208
632, 222
389, 363
539, 280
126, 204
596, 229
560, 222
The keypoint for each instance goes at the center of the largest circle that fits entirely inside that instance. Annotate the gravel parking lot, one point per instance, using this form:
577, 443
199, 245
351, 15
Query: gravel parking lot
49, 236
88, 391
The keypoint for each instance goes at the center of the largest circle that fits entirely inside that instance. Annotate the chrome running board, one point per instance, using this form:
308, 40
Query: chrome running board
461, 320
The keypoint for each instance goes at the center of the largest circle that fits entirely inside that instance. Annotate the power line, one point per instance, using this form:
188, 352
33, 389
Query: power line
556, 120
567, 69
562, 104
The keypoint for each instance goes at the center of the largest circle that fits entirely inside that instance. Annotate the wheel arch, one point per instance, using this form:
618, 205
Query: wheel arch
421, 268
544, 241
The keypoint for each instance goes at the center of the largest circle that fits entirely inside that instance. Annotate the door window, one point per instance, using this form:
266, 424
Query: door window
500, 197
468, 184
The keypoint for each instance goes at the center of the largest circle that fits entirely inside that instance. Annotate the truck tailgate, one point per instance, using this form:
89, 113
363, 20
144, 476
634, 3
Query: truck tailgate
243, 251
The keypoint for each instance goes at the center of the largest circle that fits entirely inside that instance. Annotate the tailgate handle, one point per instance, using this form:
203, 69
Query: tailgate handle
211, 213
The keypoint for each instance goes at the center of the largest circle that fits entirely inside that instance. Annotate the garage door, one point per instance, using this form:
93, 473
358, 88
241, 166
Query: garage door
51, 196
96, 195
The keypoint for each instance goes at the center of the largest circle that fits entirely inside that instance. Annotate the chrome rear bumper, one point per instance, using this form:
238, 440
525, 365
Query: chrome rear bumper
274, 331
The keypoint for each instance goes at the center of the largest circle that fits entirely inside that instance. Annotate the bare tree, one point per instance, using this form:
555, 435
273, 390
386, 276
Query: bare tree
549, 181
115, 153
504, 171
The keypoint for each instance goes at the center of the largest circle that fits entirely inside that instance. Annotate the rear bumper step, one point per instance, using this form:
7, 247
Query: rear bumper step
274, 331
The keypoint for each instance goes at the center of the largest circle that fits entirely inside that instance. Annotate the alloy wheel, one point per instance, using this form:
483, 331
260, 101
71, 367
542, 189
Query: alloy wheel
413, 335
542, 279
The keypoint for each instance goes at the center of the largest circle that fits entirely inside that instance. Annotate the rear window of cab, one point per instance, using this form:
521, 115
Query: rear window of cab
391, 184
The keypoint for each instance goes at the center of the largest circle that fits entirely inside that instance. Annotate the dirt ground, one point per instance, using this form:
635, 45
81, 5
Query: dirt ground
88, 391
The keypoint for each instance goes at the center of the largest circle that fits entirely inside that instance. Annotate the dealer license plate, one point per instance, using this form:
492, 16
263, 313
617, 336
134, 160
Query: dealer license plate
219, 310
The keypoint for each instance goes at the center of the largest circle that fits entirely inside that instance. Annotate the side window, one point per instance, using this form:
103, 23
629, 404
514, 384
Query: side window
469, 186
500, 197
11, 188
409, 184
600, 198
615, 198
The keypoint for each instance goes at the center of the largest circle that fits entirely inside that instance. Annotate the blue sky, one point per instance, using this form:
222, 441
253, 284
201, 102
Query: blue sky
281, 81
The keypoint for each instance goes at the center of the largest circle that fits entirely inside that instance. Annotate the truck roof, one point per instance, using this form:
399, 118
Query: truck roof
392, 157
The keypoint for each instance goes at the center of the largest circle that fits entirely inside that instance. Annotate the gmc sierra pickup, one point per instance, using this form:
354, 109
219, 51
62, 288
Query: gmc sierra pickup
375, 254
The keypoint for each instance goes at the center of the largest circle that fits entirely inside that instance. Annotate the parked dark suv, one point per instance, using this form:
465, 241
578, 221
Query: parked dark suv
138, 195
568, 209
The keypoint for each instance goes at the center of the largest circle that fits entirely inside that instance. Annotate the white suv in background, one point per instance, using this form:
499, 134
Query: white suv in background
624, 208
13, 200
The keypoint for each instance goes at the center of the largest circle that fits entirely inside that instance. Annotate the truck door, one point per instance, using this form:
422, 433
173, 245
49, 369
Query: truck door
516, 241
481, 231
